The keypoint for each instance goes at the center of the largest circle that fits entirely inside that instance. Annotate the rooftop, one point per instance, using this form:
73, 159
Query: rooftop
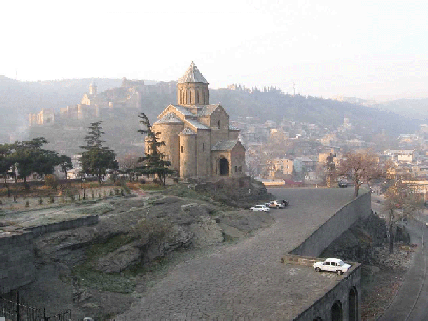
168, 119
196, 124
225, 145
192, 75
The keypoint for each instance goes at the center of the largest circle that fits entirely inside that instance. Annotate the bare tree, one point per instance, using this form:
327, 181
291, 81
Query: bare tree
128, 164
361, 166
400, 202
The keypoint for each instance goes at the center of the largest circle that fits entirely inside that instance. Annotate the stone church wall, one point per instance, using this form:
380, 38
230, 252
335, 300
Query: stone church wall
187, 155
169, 134
237, 161
222, 133
203, 153
233, 135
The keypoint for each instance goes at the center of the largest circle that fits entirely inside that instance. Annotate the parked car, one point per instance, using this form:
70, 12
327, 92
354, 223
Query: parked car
278, 204
260, 208
332, 265
342, 184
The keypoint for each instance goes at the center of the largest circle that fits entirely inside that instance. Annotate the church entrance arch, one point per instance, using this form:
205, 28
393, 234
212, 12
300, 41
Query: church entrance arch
224, 167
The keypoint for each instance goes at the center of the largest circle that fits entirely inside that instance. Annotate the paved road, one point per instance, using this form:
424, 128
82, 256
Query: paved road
403, 304
246, 281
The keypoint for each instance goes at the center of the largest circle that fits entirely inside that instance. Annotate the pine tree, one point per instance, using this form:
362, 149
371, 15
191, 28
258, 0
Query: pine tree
153, 161
97, 158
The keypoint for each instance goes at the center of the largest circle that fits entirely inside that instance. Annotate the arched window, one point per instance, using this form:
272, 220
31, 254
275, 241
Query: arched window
336, 311
353, 304
197, 98
182, 149
218, 124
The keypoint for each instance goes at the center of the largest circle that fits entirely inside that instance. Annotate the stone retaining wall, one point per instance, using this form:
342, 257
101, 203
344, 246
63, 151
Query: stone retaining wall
16, 261
335, 226
344, 297
17, 252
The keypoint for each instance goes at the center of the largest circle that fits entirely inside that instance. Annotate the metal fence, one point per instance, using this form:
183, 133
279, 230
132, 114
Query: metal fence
14, 310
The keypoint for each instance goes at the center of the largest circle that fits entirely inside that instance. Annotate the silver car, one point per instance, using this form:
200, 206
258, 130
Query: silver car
260, 208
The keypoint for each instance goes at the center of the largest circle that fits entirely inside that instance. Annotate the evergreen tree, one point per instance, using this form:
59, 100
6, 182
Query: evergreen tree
153, 162
96, 159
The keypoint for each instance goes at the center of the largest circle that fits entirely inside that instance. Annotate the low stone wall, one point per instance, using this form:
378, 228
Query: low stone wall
299, 260
17, 252
16, 261
335, 226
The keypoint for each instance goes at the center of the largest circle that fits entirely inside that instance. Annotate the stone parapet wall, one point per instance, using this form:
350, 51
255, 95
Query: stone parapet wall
16, 261
335, 226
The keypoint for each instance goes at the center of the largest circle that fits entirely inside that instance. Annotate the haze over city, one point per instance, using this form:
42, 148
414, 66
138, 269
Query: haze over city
370, 50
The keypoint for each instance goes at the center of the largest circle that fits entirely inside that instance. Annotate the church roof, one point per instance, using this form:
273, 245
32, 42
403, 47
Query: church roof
183, 110
192, 75
225, 145
187, 131
169, 118
196, 124
207, 110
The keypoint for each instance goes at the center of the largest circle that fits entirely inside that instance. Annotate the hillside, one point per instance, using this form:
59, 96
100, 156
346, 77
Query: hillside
17, 99
274, 105
414, 108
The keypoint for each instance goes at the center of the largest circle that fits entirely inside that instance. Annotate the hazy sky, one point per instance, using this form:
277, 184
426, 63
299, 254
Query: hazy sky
369, 49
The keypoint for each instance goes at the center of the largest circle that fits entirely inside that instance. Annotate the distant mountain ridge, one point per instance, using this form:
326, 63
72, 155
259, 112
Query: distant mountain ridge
414, 108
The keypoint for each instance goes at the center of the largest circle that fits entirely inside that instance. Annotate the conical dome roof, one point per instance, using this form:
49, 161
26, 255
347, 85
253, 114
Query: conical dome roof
192, 75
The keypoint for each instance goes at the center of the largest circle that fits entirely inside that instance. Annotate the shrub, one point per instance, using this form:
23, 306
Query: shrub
51, 181
152, 229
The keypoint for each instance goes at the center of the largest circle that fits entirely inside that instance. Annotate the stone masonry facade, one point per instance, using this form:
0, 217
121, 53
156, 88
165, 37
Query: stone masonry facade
199, 142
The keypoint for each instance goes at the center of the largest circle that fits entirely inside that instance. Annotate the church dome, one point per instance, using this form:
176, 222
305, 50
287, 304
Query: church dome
192, 74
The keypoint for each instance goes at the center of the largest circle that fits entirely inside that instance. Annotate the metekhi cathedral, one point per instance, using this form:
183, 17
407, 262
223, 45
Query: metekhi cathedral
199, 142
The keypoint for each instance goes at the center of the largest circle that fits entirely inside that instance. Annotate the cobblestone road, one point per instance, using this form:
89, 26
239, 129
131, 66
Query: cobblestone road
246, 281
